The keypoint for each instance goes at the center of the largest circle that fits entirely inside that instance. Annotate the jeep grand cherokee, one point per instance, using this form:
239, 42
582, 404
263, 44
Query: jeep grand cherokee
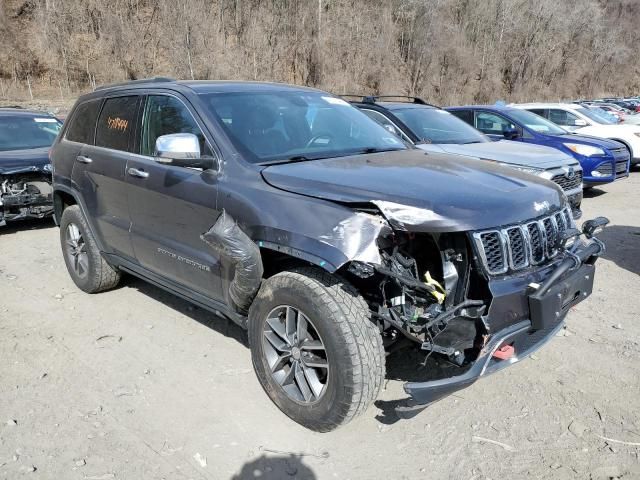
295, 215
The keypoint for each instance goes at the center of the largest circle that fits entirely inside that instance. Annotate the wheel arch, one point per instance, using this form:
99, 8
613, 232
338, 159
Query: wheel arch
61, 200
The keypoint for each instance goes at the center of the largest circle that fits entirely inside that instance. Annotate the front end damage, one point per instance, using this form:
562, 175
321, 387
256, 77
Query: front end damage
25, 193
479, 301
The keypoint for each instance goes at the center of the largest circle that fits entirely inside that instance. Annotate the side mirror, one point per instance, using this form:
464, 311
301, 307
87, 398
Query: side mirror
181, 150
578, 122
510, 133
391, 128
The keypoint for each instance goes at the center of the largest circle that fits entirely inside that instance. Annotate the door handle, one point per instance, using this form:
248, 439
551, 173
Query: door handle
83, 159
134, 172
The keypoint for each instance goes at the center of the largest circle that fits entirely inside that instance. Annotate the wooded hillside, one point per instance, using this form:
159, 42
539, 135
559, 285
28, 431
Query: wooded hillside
448, 51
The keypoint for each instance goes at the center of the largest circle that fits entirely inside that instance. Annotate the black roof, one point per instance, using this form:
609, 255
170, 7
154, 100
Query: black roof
200, 86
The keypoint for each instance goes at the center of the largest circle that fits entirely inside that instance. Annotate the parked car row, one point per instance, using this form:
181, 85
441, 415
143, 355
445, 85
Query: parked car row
334, 239
529, 137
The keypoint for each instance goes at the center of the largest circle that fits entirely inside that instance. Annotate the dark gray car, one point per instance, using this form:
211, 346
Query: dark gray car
293, 214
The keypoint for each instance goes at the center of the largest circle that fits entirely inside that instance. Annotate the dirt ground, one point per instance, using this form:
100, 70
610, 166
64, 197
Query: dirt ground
137, 384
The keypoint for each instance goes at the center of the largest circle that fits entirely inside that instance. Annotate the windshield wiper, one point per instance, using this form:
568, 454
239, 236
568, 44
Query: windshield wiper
375, 150
293, 159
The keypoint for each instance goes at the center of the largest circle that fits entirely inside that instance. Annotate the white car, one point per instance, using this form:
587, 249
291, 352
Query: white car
585, 121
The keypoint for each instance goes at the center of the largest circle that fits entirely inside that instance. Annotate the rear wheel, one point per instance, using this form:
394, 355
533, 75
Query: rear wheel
87, 268
315, 350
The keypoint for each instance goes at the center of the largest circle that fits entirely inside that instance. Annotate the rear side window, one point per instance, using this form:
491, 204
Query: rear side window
466, 115
83, 123
539, 111
561, 117
116, 123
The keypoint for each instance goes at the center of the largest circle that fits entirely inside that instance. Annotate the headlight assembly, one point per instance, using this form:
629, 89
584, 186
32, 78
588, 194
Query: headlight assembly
586, 150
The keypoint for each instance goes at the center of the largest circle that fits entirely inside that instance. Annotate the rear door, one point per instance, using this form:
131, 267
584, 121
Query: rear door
99, 173
171, 207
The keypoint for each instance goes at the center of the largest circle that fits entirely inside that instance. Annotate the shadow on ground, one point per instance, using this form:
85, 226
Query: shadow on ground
21, 225
623, 246
275, 468
216, 323
593, 192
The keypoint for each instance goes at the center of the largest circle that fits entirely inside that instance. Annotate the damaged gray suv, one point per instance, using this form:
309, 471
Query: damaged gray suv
330, 240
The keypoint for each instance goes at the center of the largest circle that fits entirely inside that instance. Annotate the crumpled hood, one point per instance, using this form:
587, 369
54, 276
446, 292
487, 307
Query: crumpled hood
421, 191
514, 153
21, 161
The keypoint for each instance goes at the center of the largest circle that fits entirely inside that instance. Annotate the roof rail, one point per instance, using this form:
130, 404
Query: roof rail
374, 98
135, 82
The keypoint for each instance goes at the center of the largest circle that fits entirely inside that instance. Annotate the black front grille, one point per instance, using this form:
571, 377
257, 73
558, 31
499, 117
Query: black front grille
568, 182
621, 167
550, 235
519, 246
493, 251
537, 248
606, 169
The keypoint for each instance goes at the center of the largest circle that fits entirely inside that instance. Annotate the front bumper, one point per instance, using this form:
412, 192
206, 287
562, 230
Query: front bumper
19, 207
538, 314
607, 170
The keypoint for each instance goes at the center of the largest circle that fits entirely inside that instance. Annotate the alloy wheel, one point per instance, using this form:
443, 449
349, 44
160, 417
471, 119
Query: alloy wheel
76, 250
295, 354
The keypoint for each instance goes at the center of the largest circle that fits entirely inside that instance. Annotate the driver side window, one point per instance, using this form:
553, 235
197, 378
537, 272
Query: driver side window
164, 115
492, 124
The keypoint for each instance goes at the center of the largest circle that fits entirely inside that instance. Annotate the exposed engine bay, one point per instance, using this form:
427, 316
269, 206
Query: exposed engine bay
25, 195
422, 296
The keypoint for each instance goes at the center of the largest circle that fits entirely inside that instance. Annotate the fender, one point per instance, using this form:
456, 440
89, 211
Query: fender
80, 202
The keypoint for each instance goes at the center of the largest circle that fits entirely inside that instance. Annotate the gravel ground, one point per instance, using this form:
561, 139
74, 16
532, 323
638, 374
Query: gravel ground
137, 384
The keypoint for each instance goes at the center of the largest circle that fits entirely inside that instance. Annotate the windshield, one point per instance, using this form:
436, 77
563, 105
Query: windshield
24, 132
433, 125
595, 116
276, 127
536, 122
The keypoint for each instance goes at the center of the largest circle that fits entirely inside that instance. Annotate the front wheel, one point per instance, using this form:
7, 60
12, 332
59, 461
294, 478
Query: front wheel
314, 348
86, 266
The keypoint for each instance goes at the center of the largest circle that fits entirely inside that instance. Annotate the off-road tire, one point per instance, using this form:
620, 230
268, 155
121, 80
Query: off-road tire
353, 345
101, 276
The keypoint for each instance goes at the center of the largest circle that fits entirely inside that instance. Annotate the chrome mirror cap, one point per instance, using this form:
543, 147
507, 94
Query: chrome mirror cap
177, 146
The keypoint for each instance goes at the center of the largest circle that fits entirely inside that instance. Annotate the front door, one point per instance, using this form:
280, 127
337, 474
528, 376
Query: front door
171, 207
494, 125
